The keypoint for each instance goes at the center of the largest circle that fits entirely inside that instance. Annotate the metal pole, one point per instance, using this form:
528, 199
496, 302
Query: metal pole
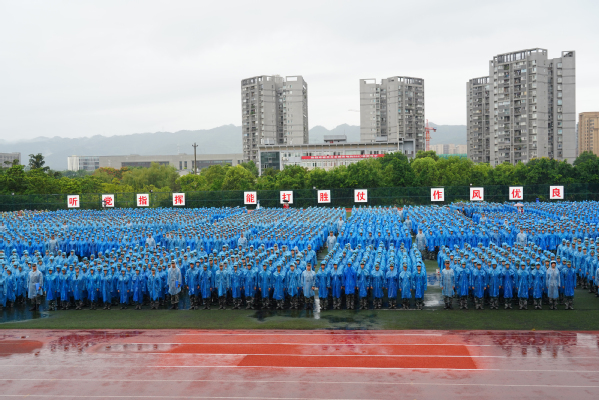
195, 159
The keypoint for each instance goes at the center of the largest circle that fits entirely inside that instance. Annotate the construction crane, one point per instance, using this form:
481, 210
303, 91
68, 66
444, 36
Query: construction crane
427, 135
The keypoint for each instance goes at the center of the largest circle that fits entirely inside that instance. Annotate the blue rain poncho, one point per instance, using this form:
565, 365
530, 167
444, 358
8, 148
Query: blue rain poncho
123, 287
249, 282
377, 281
568, 281
205, 282
93, 286
264, 282
537, 283
323, 282
523, 283
494, 281
336, 282
136, 286
479, 282
405, 284
420, 283
191, 278
363, 281
154, 284
221, 283
391, 283
64, 285
508, 282
463, 280
236, 282
278, 285
349, 280
106, 282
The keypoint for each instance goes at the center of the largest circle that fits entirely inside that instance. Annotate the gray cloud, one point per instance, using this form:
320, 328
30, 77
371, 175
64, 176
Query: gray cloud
72, 68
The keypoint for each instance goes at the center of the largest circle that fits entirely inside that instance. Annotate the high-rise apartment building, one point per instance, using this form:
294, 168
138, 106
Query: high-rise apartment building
531, 108
588, 132
478, 124
274, 110
392, 111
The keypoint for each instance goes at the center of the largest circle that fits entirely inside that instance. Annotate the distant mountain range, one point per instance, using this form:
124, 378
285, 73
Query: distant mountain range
222, 140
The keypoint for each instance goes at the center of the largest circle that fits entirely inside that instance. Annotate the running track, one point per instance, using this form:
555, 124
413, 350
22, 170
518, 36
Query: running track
191, 364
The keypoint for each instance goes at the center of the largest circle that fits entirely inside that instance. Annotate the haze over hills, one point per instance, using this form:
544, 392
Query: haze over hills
220, 140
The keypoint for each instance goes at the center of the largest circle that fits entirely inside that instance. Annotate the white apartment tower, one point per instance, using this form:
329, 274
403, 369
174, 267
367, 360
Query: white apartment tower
274, 110
531, 108
392, 111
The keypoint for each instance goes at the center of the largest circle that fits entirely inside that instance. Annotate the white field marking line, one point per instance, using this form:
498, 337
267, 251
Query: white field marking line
308, 334
289, 381
307, 344
333, 355
335, 368
344, 355
160, 397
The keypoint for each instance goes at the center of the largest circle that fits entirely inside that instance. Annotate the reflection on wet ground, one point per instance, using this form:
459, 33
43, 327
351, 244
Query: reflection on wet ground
268, 364
20, 313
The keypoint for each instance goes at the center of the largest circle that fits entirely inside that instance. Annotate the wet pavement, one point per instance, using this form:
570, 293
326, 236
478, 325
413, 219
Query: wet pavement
279, 364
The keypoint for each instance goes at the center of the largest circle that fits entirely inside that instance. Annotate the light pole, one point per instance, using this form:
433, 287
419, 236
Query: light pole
195, 159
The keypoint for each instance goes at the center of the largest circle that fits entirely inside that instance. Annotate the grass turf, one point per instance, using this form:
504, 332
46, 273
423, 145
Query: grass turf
584, 317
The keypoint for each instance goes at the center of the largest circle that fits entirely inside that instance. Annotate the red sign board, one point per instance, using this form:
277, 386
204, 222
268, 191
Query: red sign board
342, 157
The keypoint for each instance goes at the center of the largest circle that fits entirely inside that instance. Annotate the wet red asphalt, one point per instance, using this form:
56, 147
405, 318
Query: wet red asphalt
191, 364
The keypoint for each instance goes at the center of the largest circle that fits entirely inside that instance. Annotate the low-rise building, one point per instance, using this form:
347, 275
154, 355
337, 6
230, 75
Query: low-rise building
328, 155
182, 162
6, 158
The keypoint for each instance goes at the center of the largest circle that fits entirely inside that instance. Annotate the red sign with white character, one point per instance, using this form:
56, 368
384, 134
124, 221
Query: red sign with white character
342, 157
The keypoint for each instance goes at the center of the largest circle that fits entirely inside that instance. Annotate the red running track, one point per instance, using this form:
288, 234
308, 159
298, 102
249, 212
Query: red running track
190, 364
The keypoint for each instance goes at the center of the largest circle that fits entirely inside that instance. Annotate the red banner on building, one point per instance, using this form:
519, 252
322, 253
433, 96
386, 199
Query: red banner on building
342, 157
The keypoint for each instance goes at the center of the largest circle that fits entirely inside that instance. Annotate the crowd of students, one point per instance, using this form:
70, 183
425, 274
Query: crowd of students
487, 254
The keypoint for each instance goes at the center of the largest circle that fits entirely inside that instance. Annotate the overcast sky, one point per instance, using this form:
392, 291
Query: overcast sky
82, 68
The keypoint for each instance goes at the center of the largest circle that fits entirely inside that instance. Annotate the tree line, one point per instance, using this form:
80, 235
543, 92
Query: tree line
392, 170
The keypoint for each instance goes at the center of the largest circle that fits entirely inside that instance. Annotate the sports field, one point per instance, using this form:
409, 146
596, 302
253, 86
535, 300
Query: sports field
280, 364
585, 316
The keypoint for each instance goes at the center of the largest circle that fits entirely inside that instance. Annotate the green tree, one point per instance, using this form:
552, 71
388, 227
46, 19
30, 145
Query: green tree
157, 175
586, 168
317, 178
292, 177
251, 166
425, 169
364, 174
215, 176
454, 171
238, 178
427, 154
193, 183
14, 180
36, 161
397, 171
270, 171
